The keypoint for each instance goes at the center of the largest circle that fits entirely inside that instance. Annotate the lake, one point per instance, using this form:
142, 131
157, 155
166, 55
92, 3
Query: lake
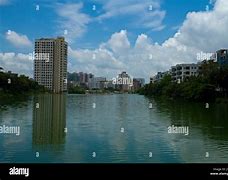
112, 128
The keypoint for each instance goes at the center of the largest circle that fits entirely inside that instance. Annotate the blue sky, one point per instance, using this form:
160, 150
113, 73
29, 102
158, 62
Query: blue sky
22, 16
110, 29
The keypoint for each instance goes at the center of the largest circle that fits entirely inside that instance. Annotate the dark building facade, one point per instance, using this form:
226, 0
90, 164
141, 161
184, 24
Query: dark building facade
222, 56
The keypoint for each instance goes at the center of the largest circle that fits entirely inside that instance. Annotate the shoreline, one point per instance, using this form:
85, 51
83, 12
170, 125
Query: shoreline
22, 96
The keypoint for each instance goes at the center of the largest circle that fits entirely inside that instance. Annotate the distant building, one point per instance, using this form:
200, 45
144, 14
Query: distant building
90, 75
73, 78
82, 77
222, 56
123, 82
138, 83
109, 84
141, 80
184, 71
12, 74
97, 83
50, 64
159, 76
1, 69
79, 79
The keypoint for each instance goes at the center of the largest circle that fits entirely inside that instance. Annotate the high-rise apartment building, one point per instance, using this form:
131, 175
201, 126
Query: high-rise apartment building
50, 67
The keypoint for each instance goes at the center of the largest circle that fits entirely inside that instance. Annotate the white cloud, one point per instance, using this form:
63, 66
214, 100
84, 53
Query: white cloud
153, 20
144, 13
72, 19
17, 40
142, 42
200, 31
206, 31
119, 43
4, 2
18, 63
100, 61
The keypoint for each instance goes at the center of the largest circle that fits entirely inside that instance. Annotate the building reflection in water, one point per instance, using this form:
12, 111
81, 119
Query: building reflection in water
49, 119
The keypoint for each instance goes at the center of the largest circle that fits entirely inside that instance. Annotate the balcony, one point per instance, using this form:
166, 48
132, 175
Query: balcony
179, 68
179, 73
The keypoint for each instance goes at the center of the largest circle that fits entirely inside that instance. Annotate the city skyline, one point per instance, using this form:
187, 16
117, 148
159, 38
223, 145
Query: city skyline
104, 41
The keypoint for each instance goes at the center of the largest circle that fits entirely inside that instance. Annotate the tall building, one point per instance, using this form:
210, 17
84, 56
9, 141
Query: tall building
50, 67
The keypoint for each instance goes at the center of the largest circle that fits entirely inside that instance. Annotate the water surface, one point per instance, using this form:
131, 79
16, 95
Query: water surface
119, 128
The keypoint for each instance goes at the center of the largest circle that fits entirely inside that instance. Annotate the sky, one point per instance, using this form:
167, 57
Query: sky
106, 37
